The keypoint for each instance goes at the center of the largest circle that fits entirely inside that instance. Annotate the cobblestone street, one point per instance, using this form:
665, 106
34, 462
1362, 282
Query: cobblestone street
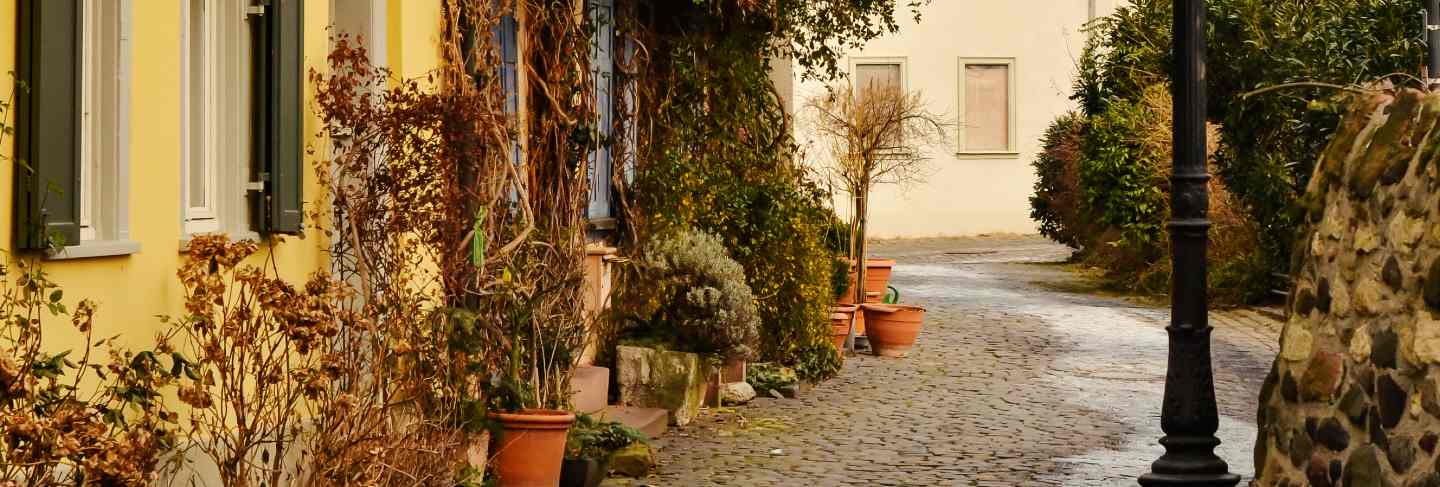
1022, 376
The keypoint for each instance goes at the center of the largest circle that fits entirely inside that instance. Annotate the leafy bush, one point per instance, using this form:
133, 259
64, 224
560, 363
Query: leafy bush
1116, 164
696, 296
766, 377
1270, 141
1056, 203
721, 159
1119, 185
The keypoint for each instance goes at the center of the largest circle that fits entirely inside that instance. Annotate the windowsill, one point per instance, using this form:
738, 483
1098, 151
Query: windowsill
987, 155
96, 249
235, 236
603, 224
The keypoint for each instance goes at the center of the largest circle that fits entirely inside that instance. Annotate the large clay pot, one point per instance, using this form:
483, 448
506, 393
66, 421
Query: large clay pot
877, 278
893, 327
530, 448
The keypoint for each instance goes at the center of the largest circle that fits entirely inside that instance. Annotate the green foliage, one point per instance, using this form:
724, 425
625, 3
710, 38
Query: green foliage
590, 438
1055, 205
766, 377
816, 34
1270, 141
1120, 187
721, 160
693, 294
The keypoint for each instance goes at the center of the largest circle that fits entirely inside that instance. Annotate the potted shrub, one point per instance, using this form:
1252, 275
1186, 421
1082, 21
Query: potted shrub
588, 449
878, 134
526, 397
686, 300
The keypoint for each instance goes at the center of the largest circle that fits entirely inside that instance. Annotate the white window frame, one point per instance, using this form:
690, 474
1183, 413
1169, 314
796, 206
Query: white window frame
1012, 140
373, 14
227, 157
104, 192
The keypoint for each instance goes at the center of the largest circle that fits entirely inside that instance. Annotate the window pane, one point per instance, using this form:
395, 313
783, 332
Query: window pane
987, 107
199, 122
872, 76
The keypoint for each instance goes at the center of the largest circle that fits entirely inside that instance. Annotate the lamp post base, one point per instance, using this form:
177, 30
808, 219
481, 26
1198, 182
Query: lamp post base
1189, 480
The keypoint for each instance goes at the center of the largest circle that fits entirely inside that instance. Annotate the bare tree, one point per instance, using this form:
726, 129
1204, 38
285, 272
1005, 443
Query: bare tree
878, 134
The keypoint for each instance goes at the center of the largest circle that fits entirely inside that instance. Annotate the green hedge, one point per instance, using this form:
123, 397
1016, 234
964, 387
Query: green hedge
1268, 142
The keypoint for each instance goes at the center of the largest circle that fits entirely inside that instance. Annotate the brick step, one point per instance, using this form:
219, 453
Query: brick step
650, 421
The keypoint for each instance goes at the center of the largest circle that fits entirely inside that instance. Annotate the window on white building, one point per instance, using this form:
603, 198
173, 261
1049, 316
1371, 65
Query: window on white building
987, 105
881, 74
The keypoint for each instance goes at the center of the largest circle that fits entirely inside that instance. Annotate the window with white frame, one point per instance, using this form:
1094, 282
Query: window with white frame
217, 125
103, 126
880, 74
987, 105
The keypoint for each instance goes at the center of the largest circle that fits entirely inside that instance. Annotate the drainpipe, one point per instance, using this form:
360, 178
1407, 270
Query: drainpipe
1188, 414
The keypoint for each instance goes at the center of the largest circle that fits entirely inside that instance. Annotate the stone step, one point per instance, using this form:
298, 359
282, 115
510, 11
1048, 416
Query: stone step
591, 386
650, 421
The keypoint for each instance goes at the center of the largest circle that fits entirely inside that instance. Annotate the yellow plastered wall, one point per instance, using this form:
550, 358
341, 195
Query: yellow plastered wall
131, 290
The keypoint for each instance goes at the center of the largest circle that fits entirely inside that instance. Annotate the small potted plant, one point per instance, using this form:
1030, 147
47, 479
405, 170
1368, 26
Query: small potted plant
526, 394
589, 447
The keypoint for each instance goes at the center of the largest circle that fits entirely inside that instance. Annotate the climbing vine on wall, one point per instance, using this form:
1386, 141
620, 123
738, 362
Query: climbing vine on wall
714, 148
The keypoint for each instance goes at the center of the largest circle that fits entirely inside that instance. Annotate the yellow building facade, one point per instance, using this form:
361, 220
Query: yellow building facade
160, 90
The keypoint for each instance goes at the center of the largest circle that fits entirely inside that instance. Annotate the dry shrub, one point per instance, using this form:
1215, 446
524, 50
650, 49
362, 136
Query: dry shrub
466, 265
1234, 238
71, 417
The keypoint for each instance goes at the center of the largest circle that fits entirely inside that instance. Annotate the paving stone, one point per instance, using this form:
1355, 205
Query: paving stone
1017, 379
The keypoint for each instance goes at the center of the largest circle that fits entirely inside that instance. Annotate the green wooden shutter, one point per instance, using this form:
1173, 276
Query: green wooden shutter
47, 186
279, 111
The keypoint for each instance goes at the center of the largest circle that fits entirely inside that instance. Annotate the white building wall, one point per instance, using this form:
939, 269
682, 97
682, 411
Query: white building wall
968, 194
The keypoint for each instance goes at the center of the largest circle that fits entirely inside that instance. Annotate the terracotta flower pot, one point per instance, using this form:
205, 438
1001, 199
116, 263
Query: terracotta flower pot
877, 278
840, 328
530, 448
893, 327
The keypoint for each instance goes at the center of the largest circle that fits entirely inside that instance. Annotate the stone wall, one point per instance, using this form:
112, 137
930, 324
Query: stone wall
1352, 400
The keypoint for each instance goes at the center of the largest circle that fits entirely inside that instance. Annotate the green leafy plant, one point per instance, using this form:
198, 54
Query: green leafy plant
1120, 186
717, 152
1270, 140
766, 377
591, 438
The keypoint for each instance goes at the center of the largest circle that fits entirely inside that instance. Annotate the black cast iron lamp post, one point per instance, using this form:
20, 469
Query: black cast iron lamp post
1188, 415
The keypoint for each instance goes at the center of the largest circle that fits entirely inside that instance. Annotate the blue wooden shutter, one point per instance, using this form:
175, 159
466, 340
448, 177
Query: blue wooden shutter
509, 36
47, 186
602, 67
277, 117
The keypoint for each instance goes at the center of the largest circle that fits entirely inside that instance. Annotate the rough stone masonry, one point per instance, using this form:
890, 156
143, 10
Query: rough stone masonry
1354, 397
